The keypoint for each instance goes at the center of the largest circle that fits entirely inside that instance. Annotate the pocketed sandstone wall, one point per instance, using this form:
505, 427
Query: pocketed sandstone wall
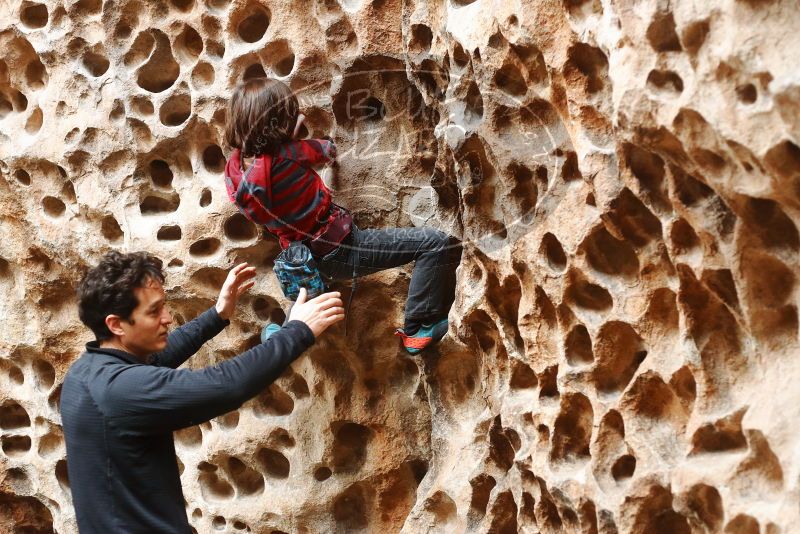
625, 177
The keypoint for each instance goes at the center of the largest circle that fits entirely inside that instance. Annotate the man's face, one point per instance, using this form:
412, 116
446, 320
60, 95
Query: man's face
146, 331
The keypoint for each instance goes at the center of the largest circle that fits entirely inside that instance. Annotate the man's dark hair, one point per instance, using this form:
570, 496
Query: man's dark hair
108, 288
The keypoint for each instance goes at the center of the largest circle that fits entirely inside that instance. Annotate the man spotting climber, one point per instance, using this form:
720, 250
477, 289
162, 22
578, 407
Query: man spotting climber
123, 398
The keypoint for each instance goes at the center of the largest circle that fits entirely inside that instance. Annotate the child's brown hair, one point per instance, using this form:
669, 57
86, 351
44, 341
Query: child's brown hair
261, 116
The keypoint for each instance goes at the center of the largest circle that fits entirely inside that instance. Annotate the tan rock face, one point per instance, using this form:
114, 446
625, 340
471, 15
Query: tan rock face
625, 177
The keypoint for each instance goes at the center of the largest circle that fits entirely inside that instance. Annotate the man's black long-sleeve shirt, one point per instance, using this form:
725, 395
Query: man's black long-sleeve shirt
119, 413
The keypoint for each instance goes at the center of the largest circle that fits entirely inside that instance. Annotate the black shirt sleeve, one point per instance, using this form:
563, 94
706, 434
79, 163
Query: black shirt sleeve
150, 399
185, 341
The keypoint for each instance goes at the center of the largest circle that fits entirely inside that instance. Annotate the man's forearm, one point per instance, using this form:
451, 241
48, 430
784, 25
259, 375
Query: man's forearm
150, 399
185, 341
261, 365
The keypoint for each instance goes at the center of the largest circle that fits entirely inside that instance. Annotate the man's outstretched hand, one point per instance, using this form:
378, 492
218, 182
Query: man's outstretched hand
318, 313
239, 280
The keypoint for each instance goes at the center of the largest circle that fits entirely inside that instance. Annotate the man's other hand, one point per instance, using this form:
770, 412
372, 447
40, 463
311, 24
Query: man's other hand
239, 280
318, 313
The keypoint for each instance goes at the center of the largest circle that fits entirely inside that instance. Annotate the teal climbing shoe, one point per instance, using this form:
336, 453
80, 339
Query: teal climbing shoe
423, 338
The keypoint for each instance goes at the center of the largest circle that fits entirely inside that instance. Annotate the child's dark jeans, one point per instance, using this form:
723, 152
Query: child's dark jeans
433, 280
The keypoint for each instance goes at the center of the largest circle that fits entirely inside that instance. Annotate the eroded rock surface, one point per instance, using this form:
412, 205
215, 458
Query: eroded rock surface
625, 177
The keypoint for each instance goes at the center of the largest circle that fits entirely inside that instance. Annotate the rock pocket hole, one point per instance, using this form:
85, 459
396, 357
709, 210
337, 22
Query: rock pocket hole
246, 480
54, 399
142, 105
253, 27
87, 8
665, 81
661, 33
238, 228
421, 39
213, 159
215, 49
695, 35
15, 101
229, 421
176, 110
213, 488
161, 69
189, 44
36, 74
140, 50
369, 109
770, 224
553, 251
155, 205
281, 57
284, 67
256, 70
45, 374
720, 436
23, 177
16, 375
96, 64
205, 247
522, 376
684, 238
182, 5
473, 112
191, 437
169, 233
54, 207
205, 198
548, 382
589, 296
578, 346
219, 523
742, 524
273, 401
510, 79
623, 468
460, 57
202, 75
350, 447
747, 93
322, 473
619, 352
609, 255
784, 159
266, 310
6, 107
589, 63
274, 463
15, 446
161, 174
62, 476
636, 222
350, 510
572, 431
49, 444
482, 486
33, 15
